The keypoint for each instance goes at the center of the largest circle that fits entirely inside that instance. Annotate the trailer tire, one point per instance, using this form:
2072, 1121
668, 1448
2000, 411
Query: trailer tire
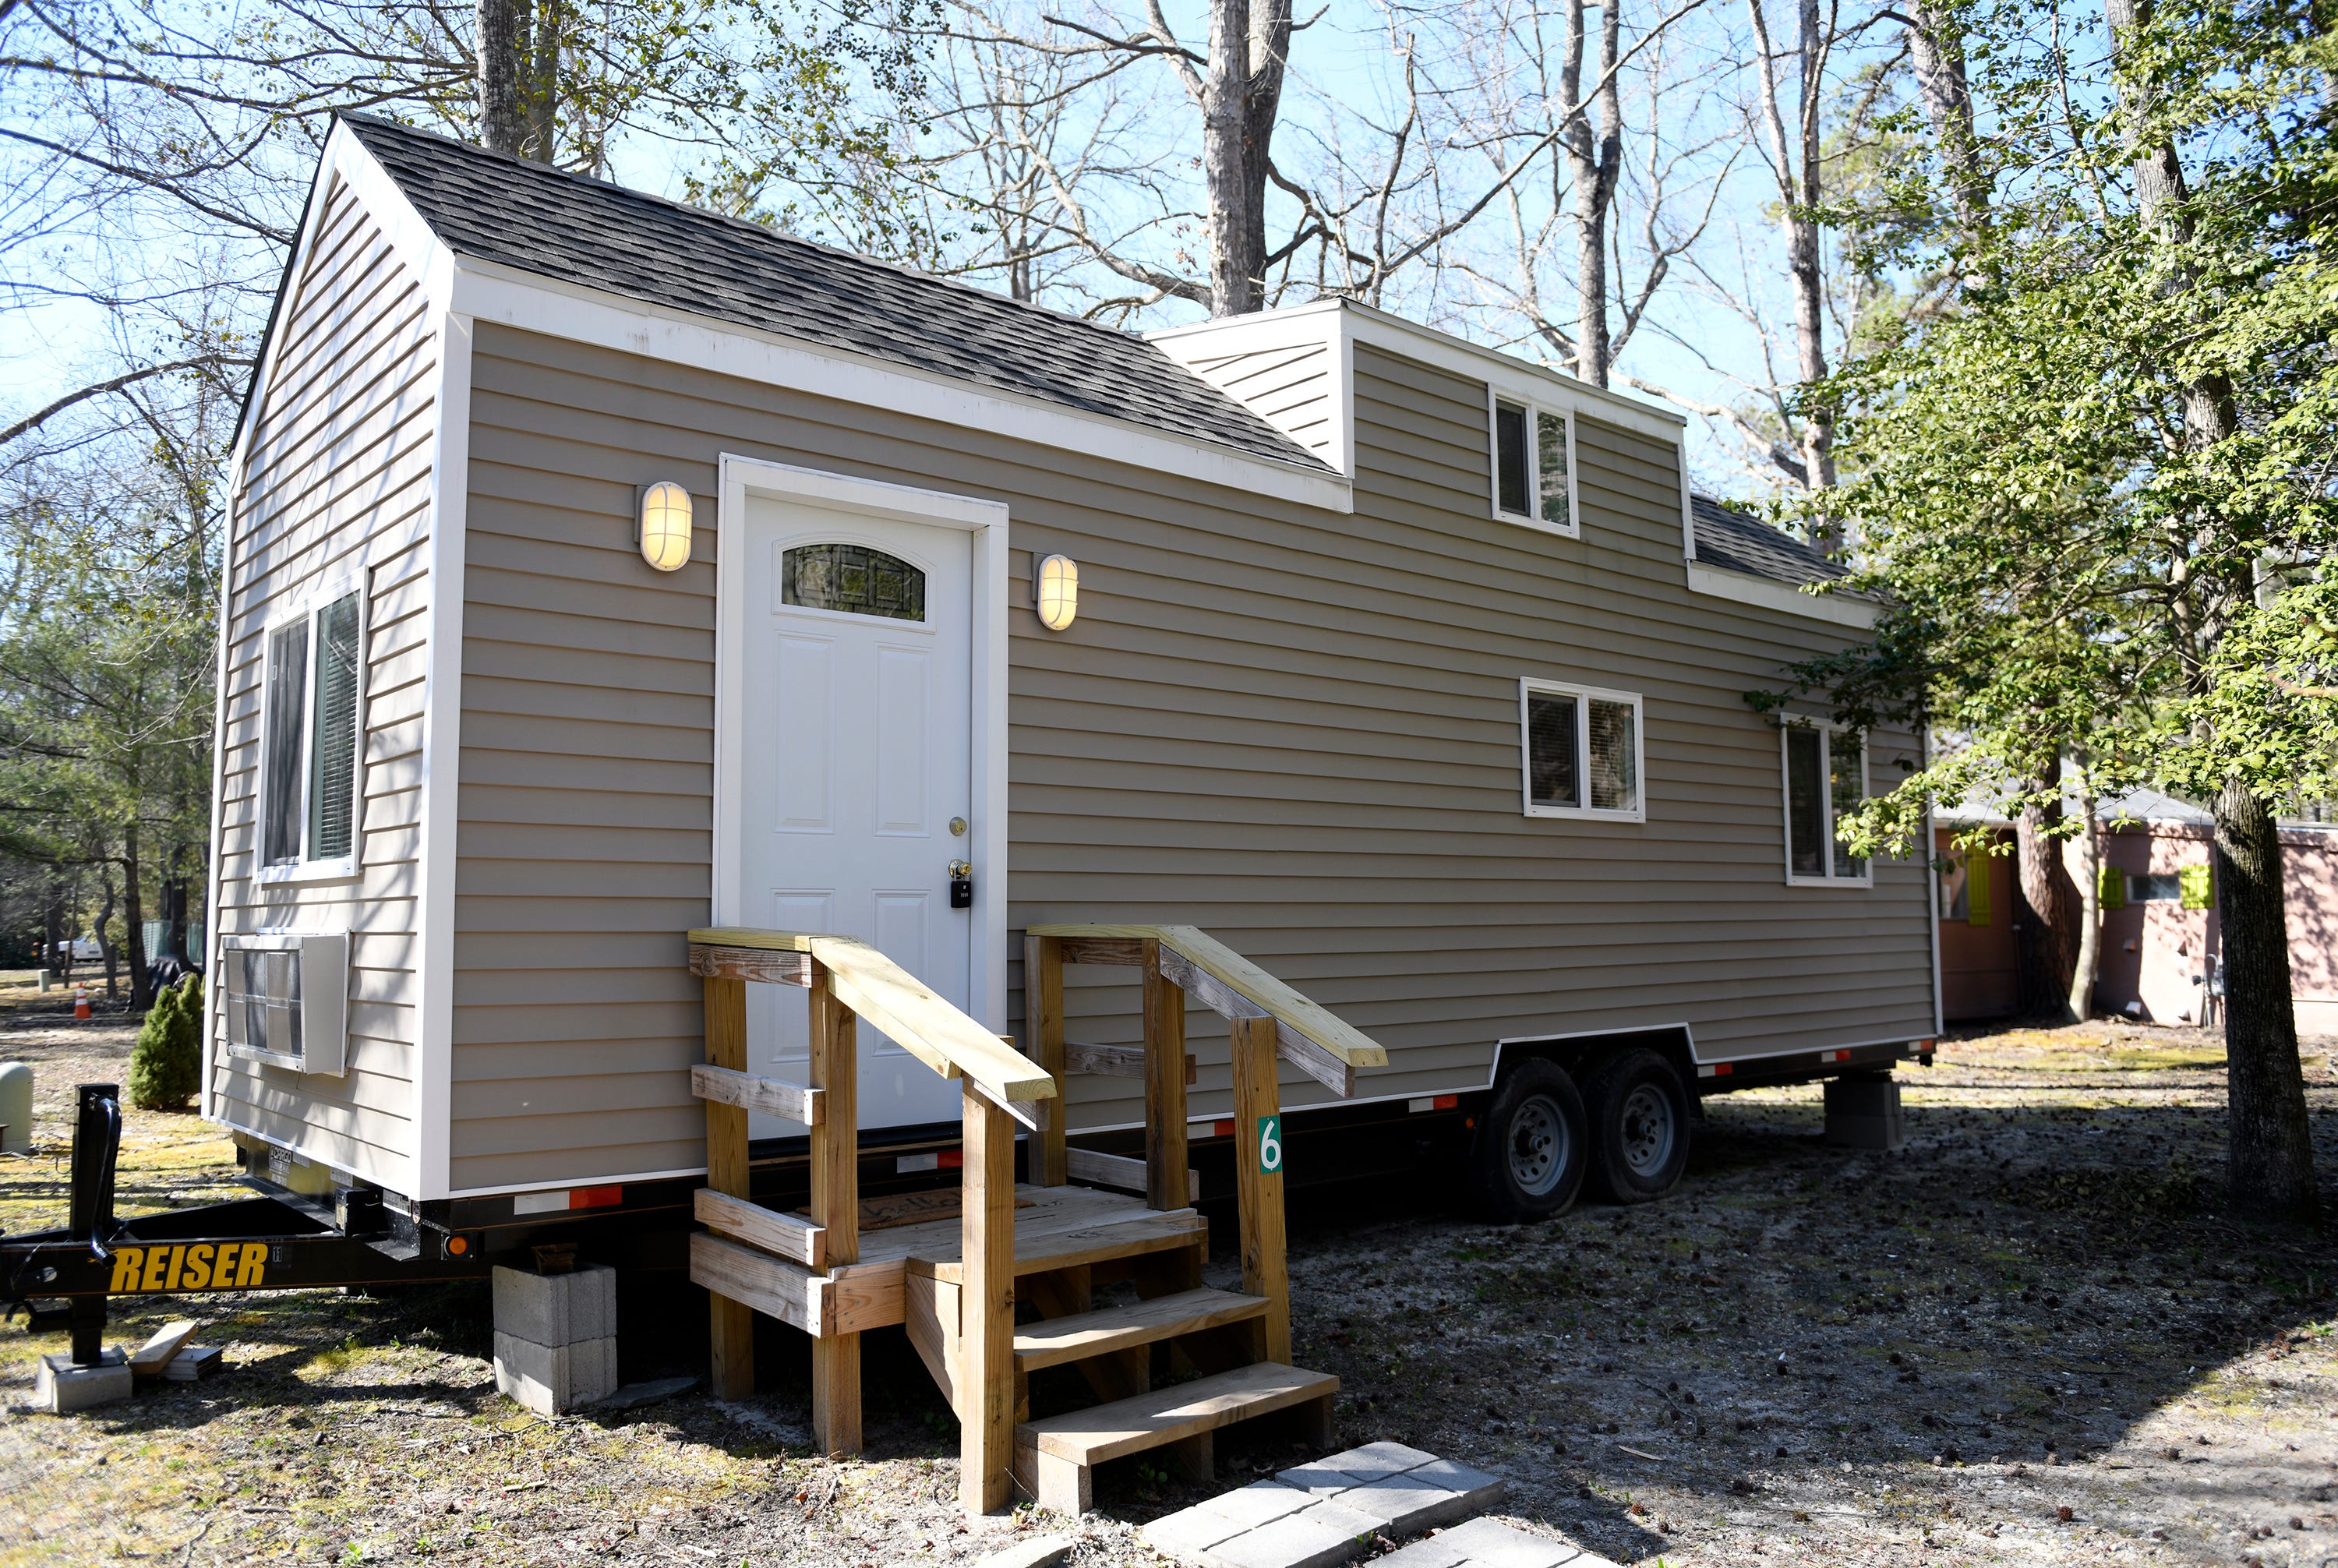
1639, 1120
1527, 1160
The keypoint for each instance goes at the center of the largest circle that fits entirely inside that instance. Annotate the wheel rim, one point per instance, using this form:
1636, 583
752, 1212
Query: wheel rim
1647, 1130
1538, 1146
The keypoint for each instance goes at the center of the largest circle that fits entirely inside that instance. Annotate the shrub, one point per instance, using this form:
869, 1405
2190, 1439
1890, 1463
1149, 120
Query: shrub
166, 1065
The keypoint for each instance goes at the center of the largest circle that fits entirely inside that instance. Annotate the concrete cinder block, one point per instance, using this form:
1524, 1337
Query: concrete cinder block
569, 1308
1491, 1543
1405, 1507
1190, 1533
1374, 1460
550, 1380
1297, 1541
1257, 1503
1864, 1113
61, 1388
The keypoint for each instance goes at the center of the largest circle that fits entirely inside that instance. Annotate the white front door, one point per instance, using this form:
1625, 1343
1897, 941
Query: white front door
858, 771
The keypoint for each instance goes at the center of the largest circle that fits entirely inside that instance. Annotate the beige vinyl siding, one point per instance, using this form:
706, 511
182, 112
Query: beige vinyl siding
1288, 386
336, 487
1294, 727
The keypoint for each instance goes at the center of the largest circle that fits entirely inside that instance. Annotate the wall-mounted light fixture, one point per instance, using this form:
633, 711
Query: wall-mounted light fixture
663, 528
1056, 590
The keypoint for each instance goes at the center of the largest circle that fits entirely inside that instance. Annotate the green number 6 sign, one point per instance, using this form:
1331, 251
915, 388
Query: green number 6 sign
1270, 1145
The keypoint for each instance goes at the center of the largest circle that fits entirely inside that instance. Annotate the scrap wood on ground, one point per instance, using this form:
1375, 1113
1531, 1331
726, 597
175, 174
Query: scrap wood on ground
2035, 1336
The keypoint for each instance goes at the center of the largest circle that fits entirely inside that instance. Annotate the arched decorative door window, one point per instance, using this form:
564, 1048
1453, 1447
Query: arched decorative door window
853, 579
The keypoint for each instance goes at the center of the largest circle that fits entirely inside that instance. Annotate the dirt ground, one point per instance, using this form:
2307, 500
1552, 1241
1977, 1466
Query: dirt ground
2034, 1337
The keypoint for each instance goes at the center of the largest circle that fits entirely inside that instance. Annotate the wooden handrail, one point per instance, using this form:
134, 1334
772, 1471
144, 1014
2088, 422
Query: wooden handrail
1307, 1035
892, 999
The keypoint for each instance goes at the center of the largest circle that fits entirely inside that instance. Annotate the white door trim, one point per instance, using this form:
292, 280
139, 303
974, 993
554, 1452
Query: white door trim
986, 522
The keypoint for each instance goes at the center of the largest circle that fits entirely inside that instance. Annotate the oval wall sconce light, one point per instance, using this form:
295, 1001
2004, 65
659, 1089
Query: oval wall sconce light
663, 528
1056, 590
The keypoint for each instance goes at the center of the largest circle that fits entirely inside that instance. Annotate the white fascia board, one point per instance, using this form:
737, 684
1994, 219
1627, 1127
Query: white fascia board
1510, 376
1746, 589
346, 161
529, 303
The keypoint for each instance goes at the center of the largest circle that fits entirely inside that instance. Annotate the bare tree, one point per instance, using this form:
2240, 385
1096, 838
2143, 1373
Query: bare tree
1564, 279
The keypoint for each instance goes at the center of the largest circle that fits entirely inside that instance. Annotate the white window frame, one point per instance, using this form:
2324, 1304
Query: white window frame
1494, 399
343, 868
1584, 696
1827, 729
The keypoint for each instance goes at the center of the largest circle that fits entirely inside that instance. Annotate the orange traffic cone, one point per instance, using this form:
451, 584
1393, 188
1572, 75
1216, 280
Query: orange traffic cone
81, 1006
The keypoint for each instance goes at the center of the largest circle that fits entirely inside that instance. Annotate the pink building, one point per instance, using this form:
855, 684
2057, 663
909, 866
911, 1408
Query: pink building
2160, 935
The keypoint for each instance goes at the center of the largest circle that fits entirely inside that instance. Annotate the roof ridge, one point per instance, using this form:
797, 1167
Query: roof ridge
744, 225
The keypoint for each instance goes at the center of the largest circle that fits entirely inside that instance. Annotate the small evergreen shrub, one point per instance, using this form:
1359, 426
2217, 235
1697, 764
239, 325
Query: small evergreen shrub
166, 1065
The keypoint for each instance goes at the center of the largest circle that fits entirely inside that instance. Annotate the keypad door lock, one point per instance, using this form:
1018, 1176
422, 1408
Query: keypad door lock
961, 875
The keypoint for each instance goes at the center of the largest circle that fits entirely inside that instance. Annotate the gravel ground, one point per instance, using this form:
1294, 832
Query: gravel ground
2032, 1338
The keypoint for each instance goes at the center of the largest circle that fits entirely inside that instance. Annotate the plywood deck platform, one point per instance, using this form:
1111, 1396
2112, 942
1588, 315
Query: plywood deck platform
1055, 1228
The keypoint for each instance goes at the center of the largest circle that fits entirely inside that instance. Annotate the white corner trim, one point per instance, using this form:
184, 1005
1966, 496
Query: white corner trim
529, 303
1747, 589
1688, 508
987, 520
442, 736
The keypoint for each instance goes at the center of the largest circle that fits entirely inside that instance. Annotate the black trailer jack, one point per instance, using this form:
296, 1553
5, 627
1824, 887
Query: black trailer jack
277, 1240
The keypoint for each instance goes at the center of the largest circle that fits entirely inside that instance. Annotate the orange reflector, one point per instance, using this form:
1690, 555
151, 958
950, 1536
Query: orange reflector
1222, 1129
1445, 1102
952, 1160
459, 1245
595, 1197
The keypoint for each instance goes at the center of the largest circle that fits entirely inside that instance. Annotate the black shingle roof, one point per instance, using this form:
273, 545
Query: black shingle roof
1734, 542
603, 236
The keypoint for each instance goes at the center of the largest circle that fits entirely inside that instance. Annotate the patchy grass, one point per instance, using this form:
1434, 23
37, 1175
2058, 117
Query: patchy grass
1805, 1355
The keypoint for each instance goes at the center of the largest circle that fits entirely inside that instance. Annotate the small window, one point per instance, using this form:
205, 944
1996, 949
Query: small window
2155, 887
1534, 465
1826, 780
854, 580
309, 776
1582, 751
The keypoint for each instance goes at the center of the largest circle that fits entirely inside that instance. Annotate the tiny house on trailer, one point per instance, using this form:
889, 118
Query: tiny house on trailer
603, 570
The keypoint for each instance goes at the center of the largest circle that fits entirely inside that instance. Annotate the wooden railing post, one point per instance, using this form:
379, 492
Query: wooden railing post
730, 1326
985, 1376
1165, 1084
1258, 1177
1043, 1018
836, 1207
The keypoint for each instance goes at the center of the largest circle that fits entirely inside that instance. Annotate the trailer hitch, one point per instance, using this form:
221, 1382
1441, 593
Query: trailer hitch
97, 1144
91, 1224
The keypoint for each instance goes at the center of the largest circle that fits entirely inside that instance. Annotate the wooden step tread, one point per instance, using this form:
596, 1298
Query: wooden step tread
1080, 1335
1168, 1415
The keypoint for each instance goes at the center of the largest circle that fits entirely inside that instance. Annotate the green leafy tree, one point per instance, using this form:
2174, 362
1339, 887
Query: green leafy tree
2098, 488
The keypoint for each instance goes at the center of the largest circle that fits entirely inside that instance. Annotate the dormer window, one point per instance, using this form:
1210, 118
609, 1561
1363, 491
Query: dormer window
1534, 464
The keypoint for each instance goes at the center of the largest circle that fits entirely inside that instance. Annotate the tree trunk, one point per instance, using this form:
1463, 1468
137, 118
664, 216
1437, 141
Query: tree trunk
1594, 160
2270, 1160
1795, 159
2045, 935
1242, 94
1936, 50
502, 26
541, 94
53, 918
141, 980
105, 938
1803, 263
2090, 906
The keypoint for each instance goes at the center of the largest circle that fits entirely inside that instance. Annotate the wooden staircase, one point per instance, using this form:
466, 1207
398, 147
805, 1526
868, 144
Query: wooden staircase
1168, 1369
